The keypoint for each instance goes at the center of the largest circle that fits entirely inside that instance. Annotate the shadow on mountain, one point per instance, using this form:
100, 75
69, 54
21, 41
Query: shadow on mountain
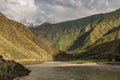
62, 56
117, 51
80, 41
112, 30
105, 51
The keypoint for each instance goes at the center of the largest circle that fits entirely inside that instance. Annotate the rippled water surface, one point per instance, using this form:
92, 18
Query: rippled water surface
71, 73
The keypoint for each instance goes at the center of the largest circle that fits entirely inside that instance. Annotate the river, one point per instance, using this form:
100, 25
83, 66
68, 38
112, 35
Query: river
70, 71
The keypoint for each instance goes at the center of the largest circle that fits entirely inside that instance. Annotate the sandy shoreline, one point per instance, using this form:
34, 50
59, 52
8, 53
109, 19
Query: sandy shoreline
69, 64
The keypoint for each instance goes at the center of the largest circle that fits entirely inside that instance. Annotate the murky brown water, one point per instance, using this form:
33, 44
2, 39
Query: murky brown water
71, 73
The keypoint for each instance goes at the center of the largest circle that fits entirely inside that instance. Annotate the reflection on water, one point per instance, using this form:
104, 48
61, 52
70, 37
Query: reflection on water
71, 73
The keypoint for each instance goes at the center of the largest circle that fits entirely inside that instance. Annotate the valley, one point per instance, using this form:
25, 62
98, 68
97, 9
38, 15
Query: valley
93, 37
69, 45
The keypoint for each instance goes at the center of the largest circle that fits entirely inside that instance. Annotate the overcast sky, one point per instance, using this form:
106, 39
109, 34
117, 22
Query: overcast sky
39, 11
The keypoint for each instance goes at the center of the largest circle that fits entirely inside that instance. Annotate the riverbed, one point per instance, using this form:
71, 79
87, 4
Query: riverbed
71, 71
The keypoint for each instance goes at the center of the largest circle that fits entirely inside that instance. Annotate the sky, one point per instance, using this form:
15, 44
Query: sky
54, 11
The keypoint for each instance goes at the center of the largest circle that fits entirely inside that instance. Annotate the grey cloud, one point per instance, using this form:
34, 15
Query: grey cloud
39, 11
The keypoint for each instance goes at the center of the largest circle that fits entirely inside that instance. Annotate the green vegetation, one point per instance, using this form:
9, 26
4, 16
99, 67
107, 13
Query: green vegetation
83, 61
96, 61
92, 37
111, 63
10, 69
63, 56
31, 61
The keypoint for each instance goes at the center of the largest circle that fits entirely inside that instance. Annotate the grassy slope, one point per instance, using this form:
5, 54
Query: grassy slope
61, 35
84, 35
106, 24
105, 37
18, 42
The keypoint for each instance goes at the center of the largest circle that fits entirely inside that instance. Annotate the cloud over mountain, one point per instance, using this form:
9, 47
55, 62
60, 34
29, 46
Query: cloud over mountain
38, 11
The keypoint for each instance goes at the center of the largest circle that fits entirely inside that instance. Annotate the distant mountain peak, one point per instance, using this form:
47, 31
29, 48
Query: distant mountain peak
46, 23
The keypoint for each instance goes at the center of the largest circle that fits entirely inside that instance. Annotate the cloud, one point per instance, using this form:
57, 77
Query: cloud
20, 10
39, 11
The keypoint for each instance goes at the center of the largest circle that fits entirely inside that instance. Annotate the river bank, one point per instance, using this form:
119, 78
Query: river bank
10, 69
65, 70
71, 64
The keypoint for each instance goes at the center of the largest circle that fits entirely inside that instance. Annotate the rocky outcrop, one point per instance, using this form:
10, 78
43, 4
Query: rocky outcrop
10, 69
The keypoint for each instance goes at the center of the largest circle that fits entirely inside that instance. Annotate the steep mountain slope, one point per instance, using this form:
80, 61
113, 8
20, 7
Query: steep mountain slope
95, 35
18, 42
109, 23
104, 48
61, 35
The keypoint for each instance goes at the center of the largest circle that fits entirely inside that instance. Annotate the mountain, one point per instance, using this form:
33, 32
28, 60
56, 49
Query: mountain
90, 37
61, 35
18, 43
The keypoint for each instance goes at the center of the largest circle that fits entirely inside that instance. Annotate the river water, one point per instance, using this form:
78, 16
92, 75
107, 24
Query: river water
53, 71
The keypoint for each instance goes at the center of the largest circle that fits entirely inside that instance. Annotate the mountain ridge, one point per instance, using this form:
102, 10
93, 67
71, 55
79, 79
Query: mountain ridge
78, 36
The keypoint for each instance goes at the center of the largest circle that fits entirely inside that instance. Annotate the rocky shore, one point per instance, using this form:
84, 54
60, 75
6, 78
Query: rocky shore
10, 69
